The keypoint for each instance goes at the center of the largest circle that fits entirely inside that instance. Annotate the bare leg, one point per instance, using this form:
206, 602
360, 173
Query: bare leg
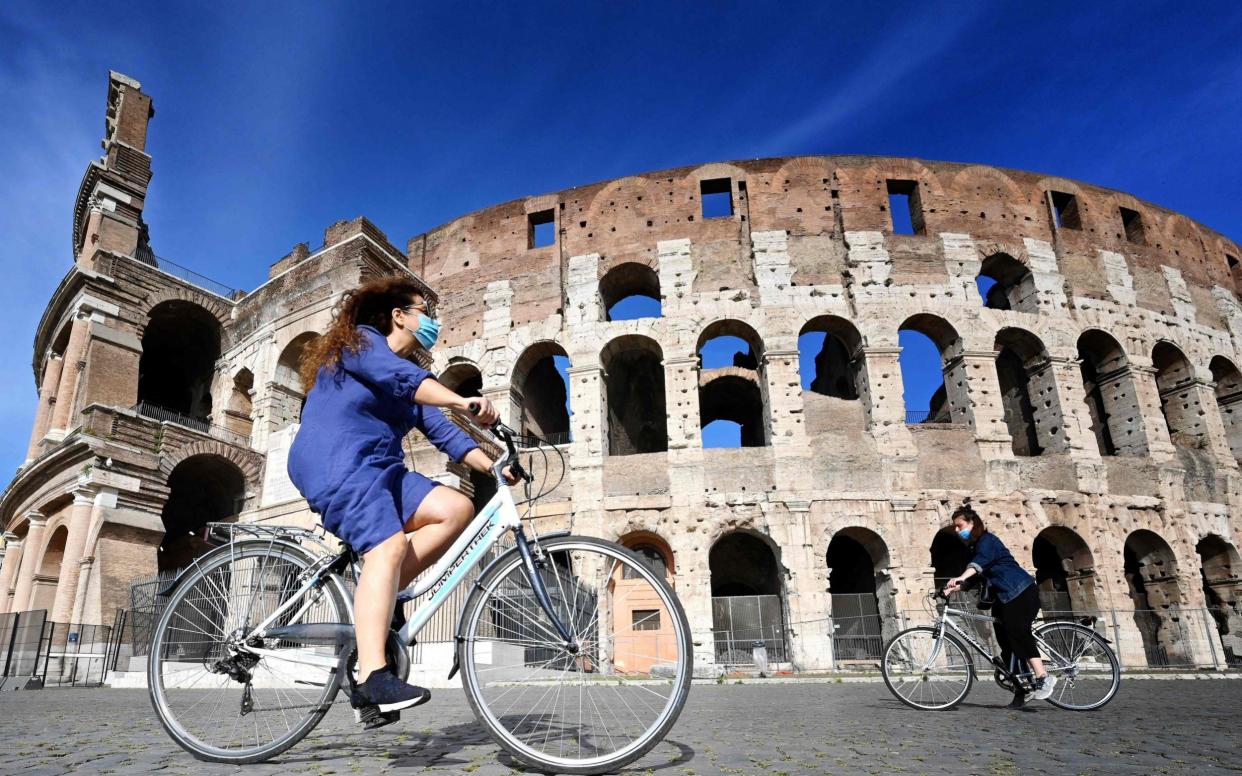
1037, 666
436, 524
374, 599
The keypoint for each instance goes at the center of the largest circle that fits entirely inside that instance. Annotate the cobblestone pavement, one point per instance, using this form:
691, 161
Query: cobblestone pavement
1174, 727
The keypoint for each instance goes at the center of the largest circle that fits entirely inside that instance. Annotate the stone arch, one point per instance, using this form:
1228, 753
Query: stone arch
202, 488
632, 285
1045, 186
634, 389
976, 176
1005, 283
1179, 401
539, 393
214, 307
1029, 396
248, 462
1221, 570
654, 549
181, 342
943, 383
864, 613
1228, 390
733, 400
1182, 238
463, 377
47, 573
747, 597
1151, 573
1111, 396
830, 356
644, 624
1064, 571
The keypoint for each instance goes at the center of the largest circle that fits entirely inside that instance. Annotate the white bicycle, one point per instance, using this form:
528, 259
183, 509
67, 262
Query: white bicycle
574, 653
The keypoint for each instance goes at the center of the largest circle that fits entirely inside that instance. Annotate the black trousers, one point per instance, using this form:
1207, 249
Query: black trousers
1013, 625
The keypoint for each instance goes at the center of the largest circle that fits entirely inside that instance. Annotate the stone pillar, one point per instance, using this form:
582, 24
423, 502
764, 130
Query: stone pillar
974, 394
79, 599
681, 400
1212, 425
785, 397
75, 543
1050, 420
8, 571
30, 560
1147, 398
90, 235
47, 396
881, 390
1065, 376
70, 372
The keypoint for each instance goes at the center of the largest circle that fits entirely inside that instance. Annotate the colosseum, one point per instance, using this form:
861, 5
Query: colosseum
1087, 398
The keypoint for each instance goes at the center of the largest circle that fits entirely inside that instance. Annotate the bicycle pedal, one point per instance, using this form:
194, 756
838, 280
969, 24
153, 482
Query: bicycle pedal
371, 718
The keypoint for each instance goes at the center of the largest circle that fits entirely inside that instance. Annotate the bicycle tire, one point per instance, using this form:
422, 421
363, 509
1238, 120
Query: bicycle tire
948, 637
1057, 698
476, 605
205, 566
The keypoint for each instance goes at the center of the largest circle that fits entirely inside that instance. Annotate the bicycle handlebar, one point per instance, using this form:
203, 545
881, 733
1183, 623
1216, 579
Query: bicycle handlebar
505, 434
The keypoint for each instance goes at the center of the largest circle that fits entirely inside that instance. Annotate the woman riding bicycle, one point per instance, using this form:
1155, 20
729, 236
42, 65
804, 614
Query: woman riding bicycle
363, 396
1017, 599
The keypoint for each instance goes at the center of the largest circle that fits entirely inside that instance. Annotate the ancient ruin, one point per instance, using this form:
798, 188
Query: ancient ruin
1089, 400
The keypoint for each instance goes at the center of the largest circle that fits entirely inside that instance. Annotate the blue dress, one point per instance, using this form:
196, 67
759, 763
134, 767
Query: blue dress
346, 459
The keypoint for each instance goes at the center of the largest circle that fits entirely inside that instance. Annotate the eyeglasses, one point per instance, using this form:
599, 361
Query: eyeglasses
422, 308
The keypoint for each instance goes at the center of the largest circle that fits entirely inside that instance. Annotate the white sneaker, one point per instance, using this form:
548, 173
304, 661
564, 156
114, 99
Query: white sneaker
1043, 687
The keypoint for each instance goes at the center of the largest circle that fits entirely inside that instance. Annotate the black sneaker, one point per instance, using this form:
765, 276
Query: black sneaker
387, 693
1019, 700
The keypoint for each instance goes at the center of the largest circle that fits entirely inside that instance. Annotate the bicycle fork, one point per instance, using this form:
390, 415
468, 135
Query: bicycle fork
541, 591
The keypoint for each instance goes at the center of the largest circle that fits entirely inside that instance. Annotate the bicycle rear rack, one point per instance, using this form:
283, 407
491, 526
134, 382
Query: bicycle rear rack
227, 533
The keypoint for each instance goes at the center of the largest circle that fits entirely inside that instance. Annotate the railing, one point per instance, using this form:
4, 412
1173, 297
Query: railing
165, 415
196, 279
915, 417
36, 653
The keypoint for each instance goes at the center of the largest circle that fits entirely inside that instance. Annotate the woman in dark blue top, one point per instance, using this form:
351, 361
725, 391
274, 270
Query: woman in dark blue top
364, 395
1017, 598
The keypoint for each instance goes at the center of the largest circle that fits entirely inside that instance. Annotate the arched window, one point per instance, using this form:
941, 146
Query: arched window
747, 600
180, 345
202, 489
829, 357
634, 390
1151, 573
1179, 402
463, 378
1006, 284
929, 349
539, 391
238, 415
863, 612
43, 593
630, 291
1221, 569
288, 399
1110, 395
1229, 401
1028, 393
639, 619
732, 386
1064, 571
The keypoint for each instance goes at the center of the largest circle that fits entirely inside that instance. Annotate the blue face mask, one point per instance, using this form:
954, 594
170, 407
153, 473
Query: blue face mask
964, 534
428, 330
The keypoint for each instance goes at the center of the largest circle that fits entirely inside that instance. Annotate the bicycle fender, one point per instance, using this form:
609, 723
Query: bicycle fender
461, 616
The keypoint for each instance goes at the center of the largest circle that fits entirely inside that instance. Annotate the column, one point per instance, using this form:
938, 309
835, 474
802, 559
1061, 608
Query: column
79, 599
973, 391
70, 371
784, 397
30, 560
1203, 398
75, 543
1154, 427
881, 388
43, 414
1065, 376
8, 571
681, 401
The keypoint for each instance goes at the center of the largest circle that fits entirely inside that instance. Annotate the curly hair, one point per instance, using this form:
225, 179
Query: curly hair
369, 304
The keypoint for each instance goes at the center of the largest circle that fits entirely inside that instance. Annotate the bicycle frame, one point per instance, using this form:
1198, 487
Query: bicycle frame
945, 622
467, 551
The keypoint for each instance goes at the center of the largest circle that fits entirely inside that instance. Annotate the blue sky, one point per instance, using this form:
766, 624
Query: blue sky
274, 121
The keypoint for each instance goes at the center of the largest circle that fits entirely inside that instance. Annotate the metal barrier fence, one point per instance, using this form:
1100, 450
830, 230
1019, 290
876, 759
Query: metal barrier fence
35, 652
739, 621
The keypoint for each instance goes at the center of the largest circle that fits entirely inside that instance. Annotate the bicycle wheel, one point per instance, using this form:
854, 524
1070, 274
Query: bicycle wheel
220, 702
587, 711
926, 672
1086, 668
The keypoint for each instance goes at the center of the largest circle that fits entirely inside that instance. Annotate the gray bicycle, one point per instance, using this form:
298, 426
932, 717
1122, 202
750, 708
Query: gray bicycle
930, 668
574, 653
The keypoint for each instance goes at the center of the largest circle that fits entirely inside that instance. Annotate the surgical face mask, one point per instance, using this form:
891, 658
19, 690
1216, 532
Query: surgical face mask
428, 330
964, 534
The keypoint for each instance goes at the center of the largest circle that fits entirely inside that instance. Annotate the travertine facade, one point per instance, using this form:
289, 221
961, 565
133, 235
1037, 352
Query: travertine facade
1088, 408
